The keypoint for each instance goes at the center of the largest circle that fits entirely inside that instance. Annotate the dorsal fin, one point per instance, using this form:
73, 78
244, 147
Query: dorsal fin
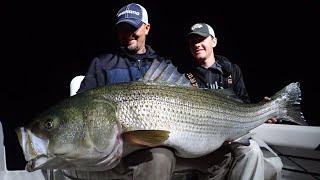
165, 73
154, 71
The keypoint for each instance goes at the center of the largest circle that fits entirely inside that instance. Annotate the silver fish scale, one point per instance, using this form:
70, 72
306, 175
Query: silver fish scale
191, 115
88, 126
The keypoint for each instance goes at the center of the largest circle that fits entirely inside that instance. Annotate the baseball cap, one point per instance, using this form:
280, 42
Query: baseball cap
133, 14
201, 29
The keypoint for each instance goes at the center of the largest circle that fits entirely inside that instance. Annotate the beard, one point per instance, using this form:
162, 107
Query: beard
132, 48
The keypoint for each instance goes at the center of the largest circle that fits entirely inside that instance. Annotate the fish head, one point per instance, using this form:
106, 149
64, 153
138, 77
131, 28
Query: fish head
79, 133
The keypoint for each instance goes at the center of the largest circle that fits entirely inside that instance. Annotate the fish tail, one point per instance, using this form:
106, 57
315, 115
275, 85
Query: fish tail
289, 99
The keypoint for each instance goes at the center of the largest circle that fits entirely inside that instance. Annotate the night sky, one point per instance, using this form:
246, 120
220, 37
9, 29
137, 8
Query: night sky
47, 43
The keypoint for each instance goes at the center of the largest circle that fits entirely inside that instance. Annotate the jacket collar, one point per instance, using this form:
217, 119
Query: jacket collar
216, 66
150, 53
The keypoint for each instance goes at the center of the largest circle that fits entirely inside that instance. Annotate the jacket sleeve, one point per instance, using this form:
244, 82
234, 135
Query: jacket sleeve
94, 76
239, 86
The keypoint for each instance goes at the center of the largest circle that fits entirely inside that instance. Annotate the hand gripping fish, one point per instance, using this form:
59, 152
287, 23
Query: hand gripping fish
89, 131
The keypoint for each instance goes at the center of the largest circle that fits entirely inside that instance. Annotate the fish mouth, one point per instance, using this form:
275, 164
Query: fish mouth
46, 162
38, 156
33, 146
37, 163
60, 161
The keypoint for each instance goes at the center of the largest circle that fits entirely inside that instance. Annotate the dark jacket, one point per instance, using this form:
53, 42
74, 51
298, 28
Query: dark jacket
221, 75
120, 66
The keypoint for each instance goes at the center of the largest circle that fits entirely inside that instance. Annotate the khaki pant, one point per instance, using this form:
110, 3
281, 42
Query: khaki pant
236, 162
159, 166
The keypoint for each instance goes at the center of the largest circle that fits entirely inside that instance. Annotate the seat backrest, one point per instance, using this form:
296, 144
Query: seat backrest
75, 84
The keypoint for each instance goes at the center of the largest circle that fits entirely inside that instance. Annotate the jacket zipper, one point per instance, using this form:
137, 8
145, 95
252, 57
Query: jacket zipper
139, 64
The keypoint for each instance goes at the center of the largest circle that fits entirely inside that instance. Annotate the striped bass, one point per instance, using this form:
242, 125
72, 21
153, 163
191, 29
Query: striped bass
92, 130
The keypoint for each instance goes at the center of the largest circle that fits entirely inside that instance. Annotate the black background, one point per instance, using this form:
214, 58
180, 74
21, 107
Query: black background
47, 43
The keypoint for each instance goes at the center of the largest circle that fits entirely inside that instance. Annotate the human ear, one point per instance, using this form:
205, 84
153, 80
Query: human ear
147, 28
214, 42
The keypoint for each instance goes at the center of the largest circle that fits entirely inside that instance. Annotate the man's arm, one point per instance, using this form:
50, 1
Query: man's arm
239, 87
92, 78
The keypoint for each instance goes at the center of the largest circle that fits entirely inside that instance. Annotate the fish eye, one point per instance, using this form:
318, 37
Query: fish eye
48, 124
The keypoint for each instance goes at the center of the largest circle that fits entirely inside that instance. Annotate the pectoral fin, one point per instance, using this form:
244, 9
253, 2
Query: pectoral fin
243, 140
149, 138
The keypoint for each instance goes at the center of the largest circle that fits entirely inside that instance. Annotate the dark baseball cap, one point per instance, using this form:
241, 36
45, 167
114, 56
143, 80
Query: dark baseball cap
133, 14
201, 29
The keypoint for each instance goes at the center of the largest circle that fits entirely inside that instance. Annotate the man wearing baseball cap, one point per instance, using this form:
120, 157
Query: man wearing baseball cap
129, 63
212, 71
132, 59
133, 27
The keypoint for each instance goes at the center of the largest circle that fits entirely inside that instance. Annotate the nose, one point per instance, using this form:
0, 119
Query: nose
197, 45
125, 30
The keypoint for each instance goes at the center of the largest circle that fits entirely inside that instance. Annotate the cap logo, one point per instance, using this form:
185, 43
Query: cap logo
129, 12
133, 14
202, 29
196, 26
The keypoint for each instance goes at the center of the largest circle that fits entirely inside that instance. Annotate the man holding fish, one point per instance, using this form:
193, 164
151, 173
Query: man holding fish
128, 120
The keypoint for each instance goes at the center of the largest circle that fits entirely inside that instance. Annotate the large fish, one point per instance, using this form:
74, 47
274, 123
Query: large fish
92, 130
